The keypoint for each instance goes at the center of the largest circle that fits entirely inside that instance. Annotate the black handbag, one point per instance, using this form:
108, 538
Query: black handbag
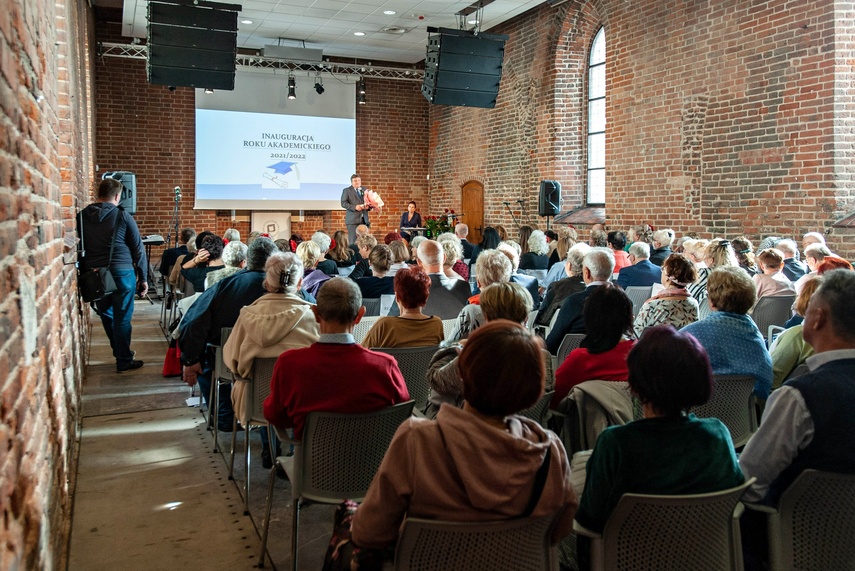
96, 283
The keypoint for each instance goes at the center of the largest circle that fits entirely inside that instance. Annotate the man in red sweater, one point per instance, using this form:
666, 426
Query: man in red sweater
335, 374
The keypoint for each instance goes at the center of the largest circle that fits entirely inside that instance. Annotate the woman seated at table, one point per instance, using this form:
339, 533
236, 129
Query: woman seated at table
410, 219
669, 451
674, 305
602, 356
378, 283
473, 464
412, 328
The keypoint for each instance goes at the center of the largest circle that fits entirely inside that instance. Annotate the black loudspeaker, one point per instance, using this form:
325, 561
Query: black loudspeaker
462, 68
128, 198
549, 198
192, 44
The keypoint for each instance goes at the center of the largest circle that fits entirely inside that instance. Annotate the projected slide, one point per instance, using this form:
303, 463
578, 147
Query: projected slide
268, 161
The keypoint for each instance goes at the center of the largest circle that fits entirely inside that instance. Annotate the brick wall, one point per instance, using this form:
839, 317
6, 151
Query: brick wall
45, 166
150, 131
721, 117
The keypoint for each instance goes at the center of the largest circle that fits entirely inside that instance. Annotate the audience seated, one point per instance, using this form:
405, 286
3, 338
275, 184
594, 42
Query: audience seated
808, 422
793, 268
558, 256
718, 253
361, 230
208, 258
669, 451
789, 350
745, 255
324, 264
274, 323
218, 307
234, 260
772, 281
734, 344
536, 258
447, 296
617, 242
695, 248
642, 272
812, 238
453, 265
489, 240
602, 355
512, 251
499, 300
492, 267
599, 238
597, 266
525, 233
378, 283
673, 305
561, 289
411, 328
334, 374
832, 263
313, 278
175, 278
814, 255
462, 231
662, 240
400, 257
364, 245
231, 235
341, 254
170, 255
476, 463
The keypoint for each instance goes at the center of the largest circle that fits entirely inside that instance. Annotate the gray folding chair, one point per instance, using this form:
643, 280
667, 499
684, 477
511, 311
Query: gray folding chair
571, 341
259, 390
413, 362
372, 306
221, 375
336, 460
638, 295
448, 327
520, 544
361, 329
814, 523
732, 402
772, 310
699, 531
539, 410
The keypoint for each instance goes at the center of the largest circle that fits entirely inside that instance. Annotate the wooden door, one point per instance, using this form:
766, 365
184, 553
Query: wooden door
472, 205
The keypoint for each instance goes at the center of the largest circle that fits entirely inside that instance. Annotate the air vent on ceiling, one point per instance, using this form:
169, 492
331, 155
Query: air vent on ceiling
395, 30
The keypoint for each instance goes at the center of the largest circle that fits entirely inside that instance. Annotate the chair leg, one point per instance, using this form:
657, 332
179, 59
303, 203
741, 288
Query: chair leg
295, 522
246, 472
211, 408
232, 450
215, 410
271, 480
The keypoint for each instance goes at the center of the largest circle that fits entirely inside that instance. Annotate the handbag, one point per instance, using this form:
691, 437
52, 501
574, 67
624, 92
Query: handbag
96, 283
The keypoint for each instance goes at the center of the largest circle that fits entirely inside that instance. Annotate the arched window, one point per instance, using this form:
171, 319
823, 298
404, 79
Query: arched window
596, 181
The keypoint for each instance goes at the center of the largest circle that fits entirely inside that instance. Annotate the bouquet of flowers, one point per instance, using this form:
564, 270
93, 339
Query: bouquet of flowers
437, 225
373, 200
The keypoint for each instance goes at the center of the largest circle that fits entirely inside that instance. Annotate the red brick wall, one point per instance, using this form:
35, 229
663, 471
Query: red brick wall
45, 167
721, 117
149, 130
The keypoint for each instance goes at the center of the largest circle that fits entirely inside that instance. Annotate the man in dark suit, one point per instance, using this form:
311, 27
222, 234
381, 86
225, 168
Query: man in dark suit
461, 230
353, 201
641, 272
447, 295
597, 268
793, 268
167, 260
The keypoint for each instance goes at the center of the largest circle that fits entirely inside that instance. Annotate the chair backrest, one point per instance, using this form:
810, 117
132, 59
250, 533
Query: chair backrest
529, 322
638, 295
673, 532
704, 309
817, 516
360, 330
413, 362
221, 371
537, 411
345, 270
372, 306
593, 406
772, 310
539, 275
520, 544
571, 341
259, 388
341, 453
732, 402
798, 371
448, 327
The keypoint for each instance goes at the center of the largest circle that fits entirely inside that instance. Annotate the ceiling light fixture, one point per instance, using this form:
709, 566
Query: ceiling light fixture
292, 88
359, 33
246, 21
360, 91
319, 84
209, 91
389, 12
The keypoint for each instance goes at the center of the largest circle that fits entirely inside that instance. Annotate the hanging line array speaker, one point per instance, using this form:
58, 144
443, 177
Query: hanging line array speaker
192, 44
462, 68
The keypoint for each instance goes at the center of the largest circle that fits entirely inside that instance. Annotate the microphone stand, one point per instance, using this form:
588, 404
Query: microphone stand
508, 206
523, 213
175, 220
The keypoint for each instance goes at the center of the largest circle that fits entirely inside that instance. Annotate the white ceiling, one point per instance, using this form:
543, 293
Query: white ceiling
330, 24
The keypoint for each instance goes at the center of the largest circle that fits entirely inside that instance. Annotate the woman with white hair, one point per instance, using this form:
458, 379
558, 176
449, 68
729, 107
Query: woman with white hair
491, 267
234, 257
327, 266
662, 240
453, 265
537, 256
274, 323
313, 278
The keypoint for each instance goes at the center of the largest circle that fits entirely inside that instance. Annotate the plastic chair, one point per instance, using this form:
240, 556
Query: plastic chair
539, 410
699, 531
361, 329
638, 295
448, 327
372, 306
336, 460
529, 322
413, 362
571, 341
345, 270
704, 309
259, 390
221, 375
590, 408
520, 544
772, 310
732, 402
813, 527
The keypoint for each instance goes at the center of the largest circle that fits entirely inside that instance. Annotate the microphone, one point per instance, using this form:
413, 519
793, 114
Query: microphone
506, 203
177, 192
519, 201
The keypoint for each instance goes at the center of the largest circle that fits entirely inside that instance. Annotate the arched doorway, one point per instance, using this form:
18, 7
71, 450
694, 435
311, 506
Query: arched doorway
472, 205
